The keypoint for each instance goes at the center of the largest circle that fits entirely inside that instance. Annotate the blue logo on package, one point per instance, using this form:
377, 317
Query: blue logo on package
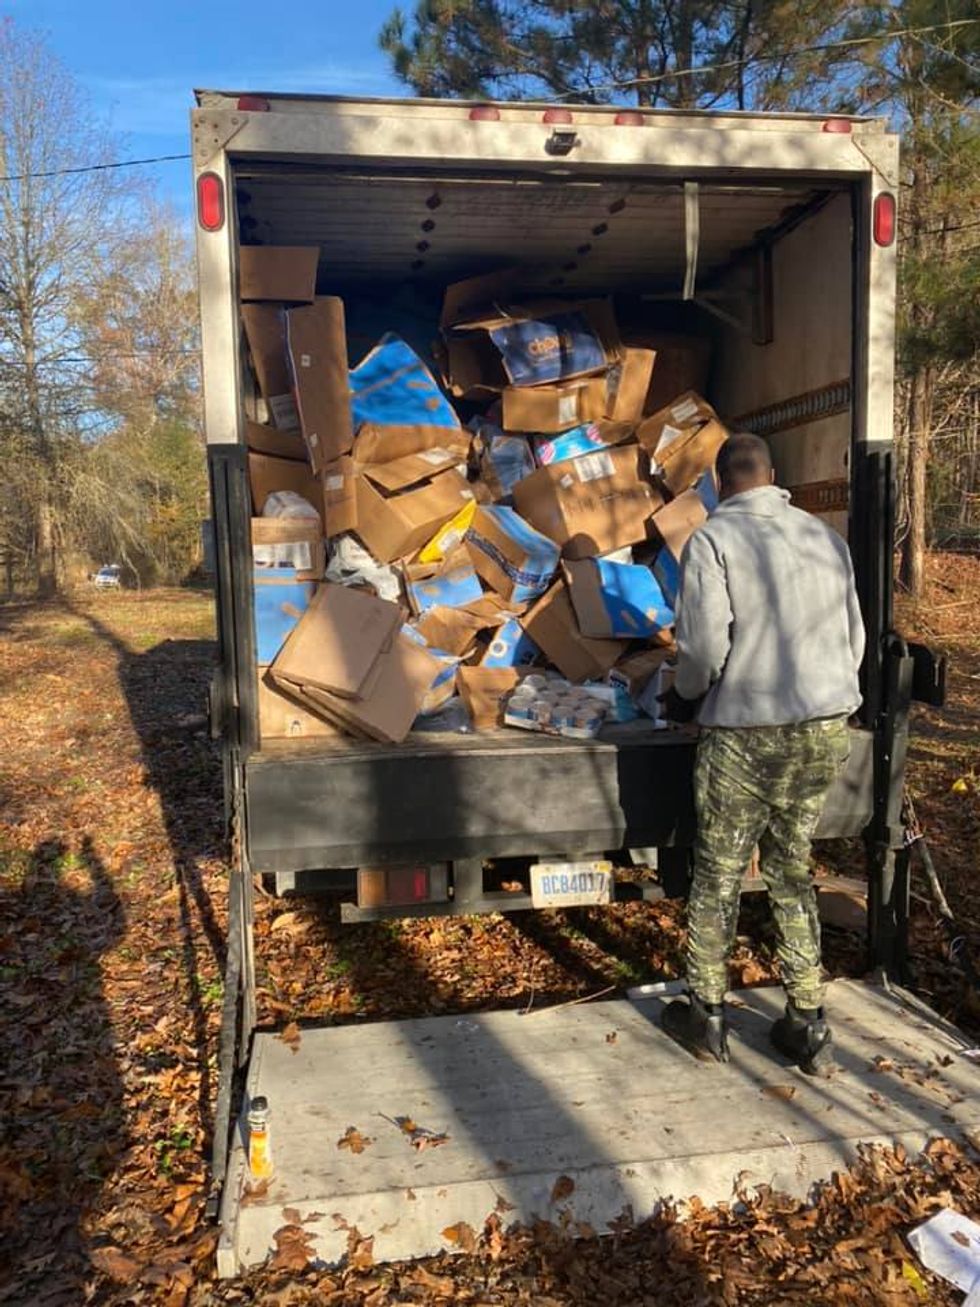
635, 604
510, 647
570, 444
542, 350
391, 387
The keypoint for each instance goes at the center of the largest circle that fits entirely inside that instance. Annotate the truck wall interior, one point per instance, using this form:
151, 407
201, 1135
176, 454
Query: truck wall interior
773, 264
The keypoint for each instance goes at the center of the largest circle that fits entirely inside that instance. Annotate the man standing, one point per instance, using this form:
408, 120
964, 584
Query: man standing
770, 640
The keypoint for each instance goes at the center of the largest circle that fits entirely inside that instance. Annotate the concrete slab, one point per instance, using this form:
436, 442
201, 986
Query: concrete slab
595, 1093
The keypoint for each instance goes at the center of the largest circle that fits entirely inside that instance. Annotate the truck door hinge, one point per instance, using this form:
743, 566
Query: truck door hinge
212, 130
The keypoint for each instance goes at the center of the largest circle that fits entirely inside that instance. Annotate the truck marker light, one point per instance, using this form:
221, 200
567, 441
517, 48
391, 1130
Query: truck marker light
630, 118
253, 104
210, 201
883, 224
841, 125
484, 113
557, 116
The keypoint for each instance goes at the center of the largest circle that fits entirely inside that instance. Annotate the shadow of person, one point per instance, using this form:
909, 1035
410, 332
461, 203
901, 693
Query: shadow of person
61, 1090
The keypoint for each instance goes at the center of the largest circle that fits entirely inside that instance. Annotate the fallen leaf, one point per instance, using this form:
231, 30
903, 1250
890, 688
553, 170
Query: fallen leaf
294, 1249
360, 1250
611, 1037
563, 1187
354, 1140
290, 1035
784, 1092
291, 923
116, 1264
503, 1205
461, 1235
960, 1238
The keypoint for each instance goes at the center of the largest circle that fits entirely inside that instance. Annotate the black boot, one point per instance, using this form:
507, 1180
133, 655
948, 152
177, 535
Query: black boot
803, 1035
699, 1027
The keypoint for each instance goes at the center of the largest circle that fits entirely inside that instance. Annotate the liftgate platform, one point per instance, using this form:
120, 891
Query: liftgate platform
593, 1092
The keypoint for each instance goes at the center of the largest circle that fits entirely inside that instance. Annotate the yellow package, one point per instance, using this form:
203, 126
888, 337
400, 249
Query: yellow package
449, 537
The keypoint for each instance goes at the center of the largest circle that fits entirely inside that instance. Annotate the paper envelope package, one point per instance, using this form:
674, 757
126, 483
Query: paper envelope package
514, 560
396, 404
616, 600
592, 504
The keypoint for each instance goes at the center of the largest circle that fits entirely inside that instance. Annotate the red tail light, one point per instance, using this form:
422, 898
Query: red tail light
883, 223
484, 113
253, 104
842, 125
630, 118
557, 116
210, 201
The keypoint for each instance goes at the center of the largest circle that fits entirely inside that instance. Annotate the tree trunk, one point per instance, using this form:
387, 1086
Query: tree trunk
912, 571
45, 561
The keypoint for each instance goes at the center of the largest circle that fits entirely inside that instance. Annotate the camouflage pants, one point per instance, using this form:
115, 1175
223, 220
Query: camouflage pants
765, 786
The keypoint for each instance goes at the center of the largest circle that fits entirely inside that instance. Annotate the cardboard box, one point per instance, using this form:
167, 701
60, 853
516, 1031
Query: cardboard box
338, 642
593, 504
537, 342
682, 363
283, 717
635, 670
400, 678
627, 384
684, 415
516, 561
556, 407
503, 459
280, 444
338, 481
450, 584
267, 474
395, 526
410, 469
510, 646
284, 542
483, 690
673, 526
397, 405
685, 461
552, 626
453, 630
284, 274
265, 331
279, 600
316, 341
617, 600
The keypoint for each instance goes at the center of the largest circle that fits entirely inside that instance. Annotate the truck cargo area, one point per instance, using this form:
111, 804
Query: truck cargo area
585, 1116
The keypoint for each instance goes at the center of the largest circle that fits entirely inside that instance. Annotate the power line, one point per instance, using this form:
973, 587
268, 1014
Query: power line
825, 47
93, 167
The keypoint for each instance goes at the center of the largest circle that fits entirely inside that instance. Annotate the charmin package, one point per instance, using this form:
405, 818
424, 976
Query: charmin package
516, 561
396, 405
450, 584
554, 706
510, 646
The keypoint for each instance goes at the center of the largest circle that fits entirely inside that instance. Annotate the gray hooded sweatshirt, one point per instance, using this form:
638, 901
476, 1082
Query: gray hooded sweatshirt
768, 622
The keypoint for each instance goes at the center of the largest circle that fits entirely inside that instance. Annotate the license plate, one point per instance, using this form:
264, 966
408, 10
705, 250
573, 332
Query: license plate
571, 884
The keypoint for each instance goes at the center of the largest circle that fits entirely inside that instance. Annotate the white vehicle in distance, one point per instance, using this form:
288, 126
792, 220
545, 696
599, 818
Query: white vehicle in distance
108, 577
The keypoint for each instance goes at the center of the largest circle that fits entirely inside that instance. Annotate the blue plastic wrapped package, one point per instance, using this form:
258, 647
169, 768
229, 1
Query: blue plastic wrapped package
279, 602
510, 646
617, 600
516, 561
569, 444
541, 349
391, 389
504, 459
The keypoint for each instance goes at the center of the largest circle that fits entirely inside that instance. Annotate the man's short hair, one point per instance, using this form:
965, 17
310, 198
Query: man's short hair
744, 459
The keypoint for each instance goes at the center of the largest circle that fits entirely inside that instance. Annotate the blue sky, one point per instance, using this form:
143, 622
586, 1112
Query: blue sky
140, 59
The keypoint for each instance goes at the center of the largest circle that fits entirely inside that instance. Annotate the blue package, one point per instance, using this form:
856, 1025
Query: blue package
510, 646
667, 570
279, 601
451, 589
634, 602
707, 491
538, 350
570, 444
391, 387
526, 558
505, 459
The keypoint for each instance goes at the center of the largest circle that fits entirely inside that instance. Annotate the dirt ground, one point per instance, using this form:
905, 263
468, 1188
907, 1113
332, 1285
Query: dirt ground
112, 902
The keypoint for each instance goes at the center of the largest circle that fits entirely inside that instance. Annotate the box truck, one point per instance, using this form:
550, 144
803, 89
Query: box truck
761, 244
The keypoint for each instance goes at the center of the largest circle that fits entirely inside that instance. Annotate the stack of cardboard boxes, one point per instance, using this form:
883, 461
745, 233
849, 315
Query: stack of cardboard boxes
525, 512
